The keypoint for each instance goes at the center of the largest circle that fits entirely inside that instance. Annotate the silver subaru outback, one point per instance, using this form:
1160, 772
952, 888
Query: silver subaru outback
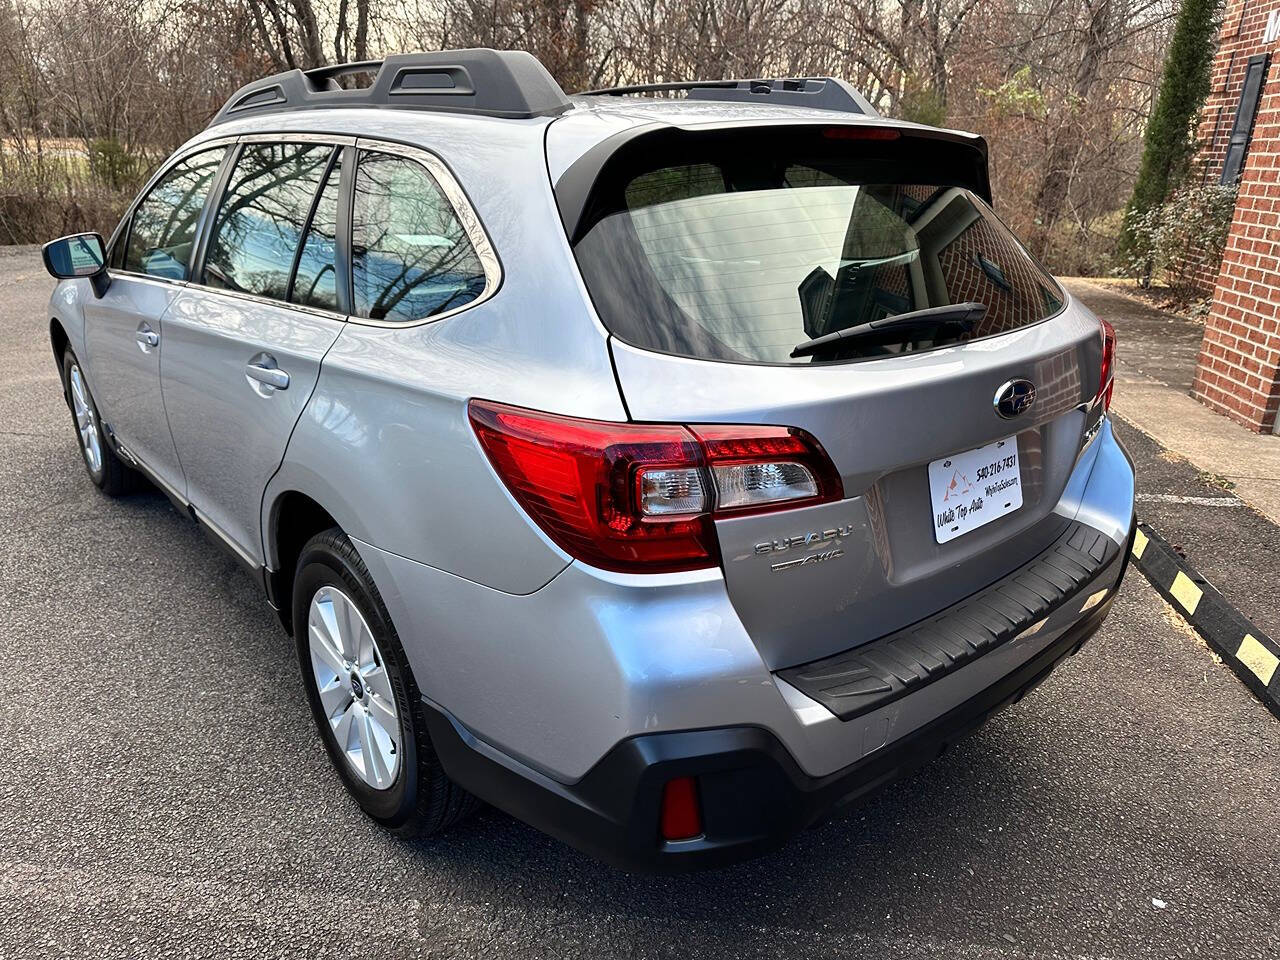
668, 466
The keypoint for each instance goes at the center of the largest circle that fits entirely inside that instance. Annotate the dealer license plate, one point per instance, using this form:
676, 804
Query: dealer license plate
975, 487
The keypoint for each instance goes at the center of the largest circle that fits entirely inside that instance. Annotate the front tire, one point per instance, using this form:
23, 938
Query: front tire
364, 699
107, 471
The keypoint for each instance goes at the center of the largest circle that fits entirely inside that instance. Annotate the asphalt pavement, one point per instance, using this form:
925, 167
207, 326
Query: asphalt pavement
163, 793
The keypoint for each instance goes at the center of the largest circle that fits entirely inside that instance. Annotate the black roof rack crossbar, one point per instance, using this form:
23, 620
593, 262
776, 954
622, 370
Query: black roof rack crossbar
823, 93
493, 83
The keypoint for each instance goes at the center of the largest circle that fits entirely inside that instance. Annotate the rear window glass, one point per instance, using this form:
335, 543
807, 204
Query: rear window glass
746, 258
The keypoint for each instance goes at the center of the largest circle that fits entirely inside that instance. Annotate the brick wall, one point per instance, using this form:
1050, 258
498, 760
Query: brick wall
1243, 24
1238, 370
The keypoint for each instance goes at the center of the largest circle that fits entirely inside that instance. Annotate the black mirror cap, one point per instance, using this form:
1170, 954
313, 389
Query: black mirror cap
78, 255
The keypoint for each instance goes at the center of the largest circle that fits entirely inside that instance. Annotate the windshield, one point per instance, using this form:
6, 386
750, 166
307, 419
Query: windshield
746, 258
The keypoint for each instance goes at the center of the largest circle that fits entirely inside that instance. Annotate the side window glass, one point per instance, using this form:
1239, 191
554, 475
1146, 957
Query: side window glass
259, 223
410, 257
116, 258
164, 223
316, 282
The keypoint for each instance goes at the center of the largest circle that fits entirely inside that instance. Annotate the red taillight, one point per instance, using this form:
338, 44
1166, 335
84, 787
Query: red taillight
1106, 383
641, 497
681, 817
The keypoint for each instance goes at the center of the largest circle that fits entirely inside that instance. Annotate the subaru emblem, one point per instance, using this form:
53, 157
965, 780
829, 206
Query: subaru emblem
1015, 398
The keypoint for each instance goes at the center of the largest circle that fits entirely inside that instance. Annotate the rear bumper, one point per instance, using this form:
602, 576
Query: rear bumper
753, 793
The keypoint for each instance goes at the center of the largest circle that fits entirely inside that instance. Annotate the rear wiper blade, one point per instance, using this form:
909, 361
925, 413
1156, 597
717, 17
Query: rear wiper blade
965, 315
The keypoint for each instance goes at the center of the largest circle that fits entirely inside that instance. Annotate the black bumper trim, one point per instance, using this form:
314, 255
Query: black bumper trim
871, 675
753, 793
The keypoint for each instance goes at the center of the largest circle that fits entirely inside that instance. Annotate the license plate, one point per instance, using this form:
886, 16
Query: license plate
975, 487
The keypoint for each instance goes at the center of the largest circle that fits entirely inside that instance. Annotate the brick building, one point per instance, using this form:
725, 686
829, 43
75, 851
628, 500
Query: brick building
1238, 370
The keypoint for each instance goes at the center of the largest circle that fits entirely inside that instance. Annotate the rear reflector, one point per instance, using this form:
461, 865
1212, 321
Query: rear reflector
640, 497
681, 816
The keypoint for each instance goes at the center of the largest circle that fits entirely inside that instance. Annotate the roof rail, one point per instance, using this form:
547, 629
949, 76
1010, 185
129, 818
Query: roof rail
822, 93
492, 83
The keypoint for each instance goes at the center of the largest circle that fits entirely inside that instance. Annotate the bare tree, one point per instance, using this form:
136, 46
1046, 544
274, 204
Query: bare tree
298, 34
1061, 88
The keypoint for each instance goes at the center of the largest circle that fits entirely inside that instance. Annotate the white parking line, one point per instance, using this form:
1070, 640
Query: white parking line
1197, 501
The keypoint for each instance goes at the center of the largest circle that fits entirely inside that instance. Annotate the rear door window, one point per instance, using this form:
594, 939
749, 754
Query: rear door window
410, 256
745, 257
163, 228
260, 221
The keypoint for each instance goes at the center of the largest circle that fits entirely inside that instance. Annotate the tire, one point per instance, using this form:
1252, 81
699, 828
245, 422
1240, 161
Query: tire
108, 472
403, 788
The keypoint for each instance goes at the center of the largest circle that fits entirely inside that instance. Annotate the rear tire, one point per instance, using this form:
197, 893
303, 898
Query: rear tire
108, 472
362, 692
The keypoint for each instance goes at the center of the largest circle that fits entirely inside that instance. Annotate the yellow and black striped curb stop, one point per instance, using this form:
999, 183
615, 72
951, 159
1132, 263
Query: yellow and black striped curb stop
1249, 652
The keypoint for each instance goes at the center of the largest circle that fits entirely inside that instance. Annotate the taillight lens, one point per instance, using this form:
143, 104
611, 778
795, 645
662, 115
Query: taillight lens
642, 497
760, 468
1106, 383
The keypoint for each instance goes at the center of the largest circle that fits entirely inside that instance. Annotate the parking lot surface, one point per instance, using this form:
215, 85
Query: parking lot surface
163, 793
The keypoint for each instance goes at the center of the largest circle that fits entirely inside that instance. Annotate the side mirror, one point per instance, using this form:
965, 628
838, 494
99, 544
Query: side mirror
79, 255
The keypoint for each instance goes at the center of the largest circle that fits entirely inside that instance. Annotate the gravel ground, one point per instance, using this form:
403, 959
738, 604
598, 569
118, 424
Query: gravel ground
163, 793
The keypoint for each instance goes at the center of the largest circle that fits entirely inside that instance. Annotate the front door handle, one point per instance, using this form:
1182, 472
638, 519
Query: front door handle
263, 369
146, 337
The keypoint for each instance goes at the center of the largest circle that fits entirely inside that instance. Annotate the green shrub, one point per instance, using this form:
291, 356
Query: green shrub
921, 103
1083, 249
1170, 142
1176, 239
112, 165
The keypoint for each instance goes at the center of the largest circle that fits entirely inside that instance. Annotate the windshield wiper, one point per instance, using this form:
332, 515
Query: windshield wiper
964, 315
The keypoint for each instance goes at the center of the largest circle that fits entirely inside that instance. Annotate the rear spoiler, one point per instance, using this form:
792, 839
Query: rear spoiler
930, 155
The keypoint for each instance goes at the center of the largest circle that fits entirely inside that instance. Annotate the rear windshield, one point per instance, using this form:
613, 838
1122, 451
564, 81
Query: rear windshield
744, 258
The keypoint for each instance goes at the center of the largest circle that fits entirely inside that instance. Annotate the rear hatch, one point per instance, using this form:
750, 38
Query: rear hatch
747, 276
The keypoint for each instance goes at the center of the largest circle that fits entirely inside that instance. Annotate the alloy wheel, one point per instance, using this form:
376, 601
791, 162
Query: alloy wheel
86, 421
354, 687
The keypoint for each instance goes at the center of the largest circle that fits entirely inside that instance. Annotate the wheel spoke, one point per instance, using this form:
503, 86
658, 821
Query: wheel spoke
378, 681
366, 650
324, 621
342, 728
336, 697
384, 715
349, 625
371, 754
322, 649
77, 390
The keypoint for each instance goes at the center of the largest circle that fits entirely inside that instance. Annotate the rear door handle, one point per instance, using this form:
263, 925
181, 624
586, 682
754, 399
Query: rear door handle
265, 372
